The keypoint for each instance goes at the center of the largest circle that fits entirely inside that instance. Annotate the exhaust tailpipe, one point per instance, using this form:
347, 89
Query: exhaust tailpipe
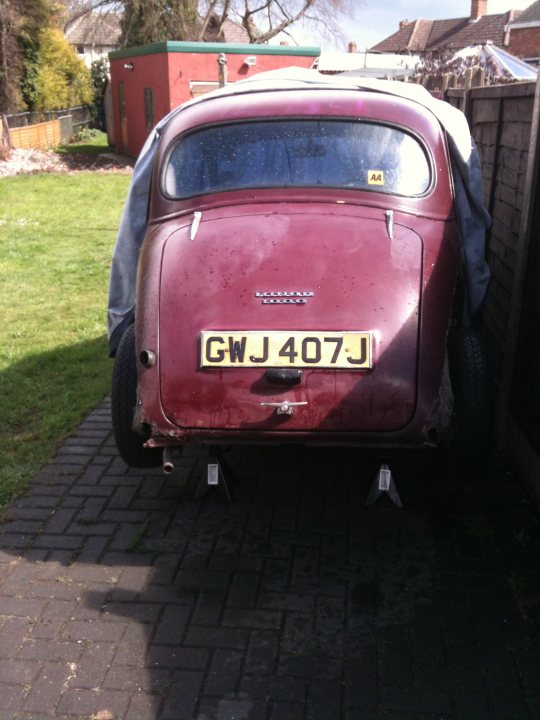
168, 464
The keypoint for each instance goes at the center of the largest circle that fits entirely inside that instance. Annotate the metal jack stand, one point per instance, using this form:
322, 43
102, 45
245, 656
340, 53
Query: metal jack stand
216, 476
384, 483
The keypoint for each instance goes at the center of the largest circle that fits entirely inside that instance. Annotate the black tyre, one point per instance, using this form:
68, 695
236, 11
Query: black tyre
473, 395
123, 401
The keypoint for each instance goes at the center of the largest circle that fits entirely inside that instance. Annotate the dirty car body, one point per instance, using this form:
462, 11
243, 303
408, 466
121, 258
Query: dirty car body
297, 277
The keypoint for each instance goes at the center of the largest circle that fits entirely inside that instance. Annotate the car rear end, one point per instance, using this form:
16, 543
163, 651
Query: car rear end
296, 281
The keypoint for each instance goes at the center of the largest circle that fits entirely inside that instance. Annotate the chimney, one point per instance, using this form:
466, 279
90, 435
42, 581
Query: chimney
353, 47
478, 9
403, 24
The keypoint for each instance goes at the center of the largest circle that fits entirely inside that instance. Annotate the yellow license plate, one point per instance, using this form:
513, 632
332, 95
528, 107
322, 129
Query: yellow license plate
261, 348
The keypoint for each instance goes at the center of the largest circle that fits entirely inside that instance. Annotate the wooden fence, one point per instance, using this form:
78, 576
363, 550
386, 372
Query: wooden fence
42, 136
504, 122
48, 129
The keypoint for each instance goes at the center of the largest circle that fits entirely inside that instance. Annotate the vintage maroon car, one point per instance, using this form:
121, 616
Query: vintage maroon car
297, 280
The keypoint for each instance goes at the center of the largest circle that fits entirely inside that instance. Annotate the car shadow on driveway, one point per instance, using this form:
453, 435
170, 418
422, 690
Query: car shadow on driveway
121, 594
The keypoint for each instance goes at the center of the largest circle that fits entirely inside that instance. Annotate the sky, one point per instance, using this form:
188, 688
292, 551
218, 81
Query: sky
376, 19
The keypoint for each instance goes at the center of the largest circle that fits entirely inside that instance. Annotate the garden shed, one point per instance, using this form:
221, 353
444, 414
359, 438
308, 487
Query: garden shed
149, 81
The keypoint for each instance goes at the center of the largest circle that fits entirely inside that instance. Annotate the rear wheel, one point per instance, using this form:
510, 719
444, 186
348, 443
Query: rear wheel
473, 400
123, 401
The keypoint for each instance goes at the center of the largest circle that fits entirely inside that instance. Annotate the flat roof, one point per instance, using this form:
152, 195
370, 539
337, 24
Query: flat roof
203, 47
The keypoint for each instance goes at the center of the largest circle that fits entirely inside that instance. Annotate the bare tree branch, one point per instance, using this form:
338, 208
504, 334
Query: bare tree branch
206, 19
78, 9
262, 19
285, 23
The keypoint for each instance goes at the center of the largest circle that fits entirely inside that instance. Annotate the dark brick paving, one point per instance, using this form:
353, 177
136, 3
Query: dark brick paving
121, 597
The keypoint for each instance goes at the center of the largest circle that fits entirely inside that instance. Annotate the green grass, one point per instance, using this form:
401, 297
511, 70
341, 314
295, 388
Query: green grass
90, 142
56, 238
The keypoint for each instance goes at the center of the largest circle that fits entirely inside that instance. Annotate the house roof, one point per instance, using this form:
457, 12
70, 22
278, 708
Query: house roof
95, 28
103, 28
529, 15
234, 33
424, 35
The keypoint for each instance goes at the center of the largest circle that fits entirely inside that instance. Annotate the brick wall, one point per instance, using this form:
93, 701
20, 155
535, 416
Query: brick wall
525, 42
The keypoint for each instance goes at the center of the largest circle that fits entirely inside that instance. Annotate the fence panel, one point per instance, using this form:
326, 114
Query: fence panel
526, 396
456, 97
505, 123
525, 391
41, 136
501, 119
47, 129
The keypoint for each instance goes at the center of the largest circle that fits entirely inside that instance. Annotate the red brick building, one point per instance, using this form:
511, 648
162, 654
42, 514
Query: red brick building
524, 34
423, 37
151, 80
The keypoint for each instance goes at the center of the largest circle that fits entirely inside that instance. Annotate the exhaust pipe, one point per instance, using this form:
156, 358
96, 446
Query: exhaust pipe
168, 464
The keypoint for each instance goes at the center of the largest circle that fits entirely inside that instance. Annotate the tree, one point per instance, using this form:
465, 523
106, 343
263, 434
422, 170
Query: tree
148, 21
269, 17
62, 79
34, 15
9, 57
20, 25
39, 70
99, 71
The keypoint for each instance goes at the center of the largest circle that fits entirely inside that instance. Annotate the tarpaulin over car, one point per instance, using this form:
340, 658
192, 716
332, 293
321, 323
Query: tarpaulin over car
472, 217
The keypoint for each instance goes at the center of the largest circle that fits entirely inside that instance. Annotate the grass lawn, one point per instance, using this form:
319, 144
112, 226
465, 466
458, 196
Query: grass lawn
56, 238
90, 142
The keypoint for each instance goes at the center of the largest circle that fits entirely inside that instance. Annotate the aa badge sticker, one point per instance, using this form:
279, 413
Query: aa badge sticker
375, 177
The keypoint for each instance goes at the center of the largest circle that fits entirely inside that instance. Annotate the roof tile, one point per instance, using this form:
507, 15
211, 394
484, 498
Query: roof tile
96, 28
420, 35
235, 33
457, 33
103, 28
530, 14
398, 42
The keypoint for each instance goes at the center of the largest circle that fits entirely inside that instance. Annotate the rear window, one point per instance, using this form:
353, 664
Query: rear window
297, 153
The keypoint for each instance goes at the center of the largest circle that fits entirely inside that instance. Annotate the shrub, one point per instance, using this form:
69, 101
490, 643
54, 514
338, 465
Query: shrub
100, 74
62, 79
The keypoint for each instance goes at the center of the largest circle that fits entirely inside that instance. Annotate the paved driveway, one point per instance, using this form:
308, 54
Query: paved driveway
121, 597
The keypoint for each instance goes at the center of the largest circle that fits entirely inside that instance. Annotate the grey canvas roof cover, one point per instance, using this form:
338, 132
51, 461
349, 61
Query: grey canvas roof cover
472, 217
